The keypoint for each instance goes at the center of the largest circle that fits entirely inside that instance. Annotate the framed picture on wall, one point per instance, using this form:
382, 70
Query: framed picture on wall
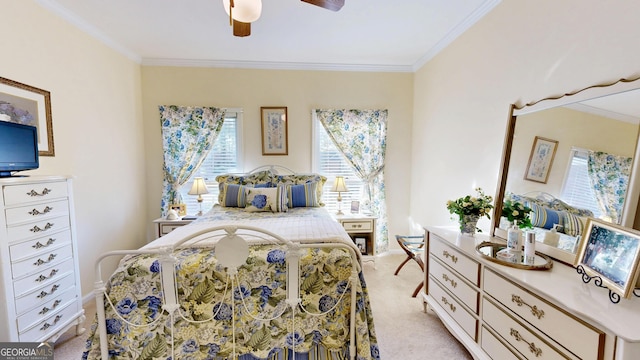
541, 159
274, 130
28, 105
612, 253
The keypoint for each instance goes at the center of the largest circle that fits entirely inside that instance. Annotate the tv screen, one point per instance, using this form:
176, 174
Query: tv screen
18, 148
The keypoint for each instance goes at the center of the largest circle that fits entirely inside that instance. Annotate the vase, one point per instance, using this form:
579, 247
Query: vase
468, 224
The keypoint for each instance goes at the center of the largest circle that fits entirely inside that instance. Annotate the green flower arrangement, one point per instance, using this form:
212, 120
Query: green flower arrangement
517, 211
478, 206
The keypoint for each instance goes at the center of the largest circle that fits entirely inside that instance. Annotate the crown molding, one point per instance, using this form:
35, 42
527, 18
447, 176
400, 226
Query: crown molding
72, 18
53, 6
480, 12
604, 113
267, 65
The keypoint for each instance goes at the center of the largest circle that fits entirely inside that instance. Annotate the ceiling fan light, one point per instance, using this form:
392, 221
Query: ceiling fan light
246, 11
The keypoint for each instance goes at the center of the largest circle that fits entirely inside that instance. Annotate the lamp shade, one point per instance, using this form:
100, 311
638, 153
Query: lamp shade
198, 187
246, 11
339, 185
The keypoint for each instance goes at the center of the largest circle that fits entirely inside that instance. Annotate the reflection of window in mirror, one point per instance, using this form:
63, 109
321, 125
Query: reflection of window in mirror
577, 190
598, 182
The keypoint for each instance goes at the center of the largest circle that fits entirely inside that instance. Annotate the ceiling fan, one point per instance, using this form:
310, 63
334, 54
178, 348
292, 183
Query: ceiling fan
243, 12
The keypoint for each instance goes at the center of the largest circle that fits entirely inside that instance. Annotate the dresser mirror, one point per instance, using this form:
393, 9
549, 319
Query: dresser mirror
600, 118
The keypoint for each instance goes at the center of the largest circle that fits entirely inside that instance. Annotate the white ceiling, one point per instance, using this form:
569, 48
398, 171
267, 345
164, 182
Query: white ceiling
365, 35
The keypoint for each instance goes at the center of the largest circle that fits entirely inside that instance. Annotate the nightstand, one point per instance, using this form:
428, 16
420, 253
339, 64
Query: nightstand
164, 226
362, 230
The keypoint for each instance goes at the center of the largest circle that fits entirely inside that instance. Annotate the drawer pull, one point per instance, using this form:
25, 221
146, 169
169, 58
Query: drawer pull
446, 254
532, 347
44, 294
446, 302
534, 309
47, 325
36, 228
453, 282
46, 309
42, 278
38, 245
36, 212
44, 192
42, 262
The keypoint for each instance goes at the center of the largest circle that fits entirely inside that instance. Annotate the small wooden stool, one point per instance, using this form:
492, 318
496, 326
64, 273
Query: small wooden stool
414, 247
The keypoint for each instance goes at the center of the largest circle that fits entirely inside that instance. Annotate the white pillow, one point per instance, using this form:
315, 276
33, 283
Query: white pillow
266, 199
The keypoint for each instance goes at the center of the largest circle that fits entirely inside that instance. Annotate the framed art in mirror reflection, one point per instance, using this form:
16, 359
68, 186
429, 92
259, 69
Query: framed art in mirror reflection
542, 153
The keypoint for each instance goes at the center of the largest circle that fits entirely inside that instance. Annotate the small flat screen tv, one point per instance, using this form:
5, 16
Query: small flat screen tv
18, 148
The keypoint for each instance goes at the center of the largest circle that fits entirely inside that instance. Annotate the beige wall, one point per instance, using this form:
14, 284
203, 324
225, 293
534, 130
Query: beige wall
300, 92
97, 124
522, 51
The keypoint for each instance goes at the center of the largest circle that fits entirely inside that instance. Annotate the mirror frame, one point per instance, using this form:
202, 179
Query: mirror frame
633, 192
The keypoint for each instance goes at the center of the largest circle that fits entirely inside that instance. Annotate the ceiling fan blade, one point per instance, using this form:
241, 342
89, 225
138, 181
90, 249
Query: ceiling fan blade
241, 29
333, 5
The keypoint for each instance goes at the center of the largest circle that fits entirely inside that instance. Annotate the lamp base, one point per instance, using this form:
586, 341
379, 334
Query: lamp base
200, 204
339, 212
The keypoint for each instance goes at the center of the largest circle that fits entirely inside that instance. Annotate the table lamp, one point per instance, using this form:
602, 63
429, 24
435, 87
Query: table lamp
339, 186
199, 188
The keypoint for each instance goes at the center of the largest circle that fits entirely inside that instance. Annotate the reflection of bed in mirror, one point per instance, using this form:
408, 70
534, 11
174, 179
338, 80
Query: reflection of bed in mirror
585, 121
555, 223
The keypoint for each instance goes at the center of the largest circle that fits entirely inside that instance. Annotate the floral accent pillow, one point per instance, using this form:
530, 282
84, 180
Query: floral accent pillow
266, 199
298, 179
255, 180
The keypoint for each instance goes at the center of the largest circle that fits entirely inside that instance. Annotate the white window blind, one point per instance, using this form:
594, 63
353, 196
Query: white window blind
331, 163
577, 190
224, 157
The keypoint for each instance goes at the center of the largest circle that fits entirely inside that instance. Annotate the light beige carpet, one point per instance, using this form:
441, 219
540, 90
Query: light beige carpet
405, 331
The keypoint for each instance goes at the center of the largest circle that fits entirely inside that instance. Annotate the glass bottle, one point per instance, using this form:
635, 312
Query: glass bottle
514, 238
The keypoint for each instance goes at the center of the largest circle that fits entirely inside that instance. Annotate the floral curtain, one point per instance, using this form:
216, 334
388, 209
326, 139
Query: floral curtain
609, 175
361, 136
188, 134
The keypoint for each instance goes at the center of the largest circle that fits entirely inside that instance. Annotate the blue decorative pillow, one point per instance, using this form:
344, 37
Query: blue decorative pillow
303, 195
544, 217
233, 195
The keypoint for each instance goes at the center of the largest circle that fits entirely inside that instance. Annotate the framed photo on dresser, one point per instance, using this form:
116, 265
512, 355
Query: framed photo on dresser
612, 253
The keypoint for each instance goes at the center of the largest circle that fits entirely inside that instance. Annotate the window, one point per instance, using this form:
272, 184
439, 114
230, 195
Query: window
577, 190
330, 162
224, 157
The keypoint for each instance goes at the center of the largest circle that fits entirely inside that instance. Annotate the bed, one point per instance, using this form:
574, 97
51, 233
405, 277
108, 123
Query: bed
552, 215
240, 283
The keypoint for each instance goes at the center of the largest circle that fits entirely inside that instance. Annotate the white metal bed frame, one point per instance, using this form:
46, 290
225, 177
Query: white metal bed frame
234, 250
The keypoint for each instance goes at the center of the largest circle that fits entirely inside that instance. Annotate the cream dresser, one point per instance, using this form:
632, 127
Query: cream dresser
499, 312
39, 278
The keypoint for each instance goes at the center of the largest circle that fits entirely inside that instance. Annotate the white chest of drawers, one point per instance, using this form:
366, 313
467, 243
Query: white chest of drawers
39, 279
507, 313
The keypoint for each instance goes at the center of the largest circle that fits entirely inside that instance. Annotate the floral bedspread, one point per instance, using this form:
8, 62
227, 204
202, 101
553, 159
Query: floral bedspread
245, 315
